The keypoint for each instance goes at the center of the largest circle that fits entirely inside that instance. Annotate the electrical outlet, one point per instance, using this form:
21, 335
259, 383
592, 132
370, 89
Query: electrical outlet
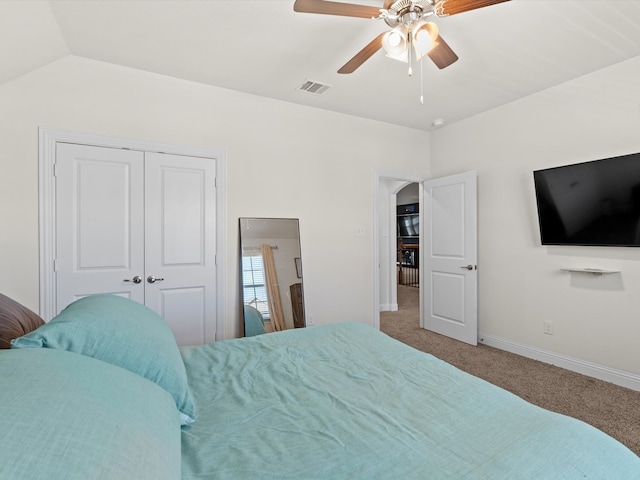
548, 327
309, 320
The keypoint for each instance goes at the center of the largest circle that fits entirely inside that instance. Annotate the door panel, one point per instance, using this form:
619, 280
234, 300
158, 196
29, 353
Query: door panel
450, 255
447, 289
98, 220
447, 215
182, 229
99, 233
184, 309
180, 242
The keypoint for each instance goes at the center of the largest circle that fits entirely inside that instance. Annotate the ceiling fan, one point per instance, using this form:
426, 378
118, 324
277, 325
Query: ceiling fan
411, 35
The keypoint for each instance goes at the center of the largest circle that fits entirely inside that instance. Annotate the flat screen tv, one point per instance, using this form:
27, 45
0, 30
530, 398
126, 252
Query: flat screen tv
408, 226
594, 203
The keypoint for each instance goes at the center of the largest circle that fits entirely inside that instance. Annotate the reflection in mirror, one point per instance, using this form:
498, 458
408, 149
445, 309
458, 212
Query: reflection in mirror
271, 275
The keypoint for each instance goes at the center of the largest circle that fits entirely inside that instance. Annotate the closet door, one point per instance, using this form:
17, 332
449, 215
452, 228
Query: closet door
99, 222
140, 225
180, 243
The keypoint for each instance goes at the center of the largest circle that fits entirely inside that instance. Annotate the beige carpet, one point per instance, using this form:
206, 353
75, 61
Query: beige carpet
612, 409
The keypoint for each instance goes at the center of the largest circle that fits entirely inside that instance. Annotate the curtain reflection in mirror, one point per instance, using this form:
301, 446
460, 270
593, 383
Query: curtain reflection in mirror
273, 289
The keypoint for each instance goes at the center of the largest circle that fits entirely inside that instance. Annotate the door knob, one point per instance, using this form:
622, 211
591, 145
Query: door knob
136, 279
152, 279
468, 267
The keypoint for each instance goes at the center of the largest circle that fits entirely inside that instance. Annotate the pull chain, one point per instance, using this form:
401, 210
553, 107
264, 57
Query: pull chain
421, 82
409, 51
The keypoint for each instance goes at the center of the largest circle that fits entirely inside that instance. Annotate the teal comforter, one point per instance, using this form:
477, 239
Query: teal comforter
345, 401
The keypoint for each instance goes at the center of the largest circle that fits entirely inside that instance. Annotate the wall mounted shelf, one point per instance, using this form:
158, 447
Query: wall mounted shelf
594, 271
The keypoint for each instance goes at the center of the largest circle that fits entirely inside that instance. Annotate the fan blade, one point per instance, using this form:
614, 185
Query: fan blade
441, 54
363, 55
335, 8
452, 7
388, 3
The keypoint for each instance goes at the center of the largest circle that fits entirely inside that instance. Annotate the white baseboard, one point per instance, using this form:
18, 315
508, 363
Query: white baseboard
601, 372
389, 307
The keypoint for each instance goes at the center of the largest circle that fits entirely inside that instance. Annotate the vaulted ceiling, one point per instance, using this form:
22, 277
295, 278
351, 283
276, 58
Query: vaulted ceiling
507, 51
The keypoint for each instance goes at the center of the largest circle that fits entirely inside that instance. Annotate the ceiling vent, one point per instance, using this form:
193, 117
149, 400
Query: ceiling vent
313, 87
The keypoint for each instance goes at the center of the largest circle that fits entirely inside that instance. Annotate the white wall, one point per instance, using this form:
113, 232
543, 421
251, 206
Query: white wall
283, 160
595, 318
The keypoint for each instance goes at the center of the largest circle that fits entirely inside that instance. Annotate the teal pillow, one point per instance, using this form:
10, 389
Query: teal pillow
65, 416
253, 321
123, 332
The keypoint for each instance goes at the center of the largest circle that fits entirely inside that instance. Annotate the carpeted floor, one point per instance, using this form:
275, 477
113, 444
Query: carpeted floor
612, 409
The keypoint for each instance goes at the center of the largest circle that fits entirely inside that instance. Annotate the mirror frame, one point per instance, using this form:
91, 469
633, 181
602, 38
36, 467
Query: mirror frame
283, 297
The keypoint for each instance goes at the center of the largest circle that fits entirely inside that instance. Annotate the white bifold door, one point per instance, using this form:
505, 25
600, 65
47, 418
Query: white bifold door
141, 225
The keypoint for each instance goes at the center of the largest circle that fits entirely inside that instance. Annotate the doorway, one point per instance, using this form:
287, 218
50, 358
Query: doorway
408, 277
389, 191
448, 260
408, 237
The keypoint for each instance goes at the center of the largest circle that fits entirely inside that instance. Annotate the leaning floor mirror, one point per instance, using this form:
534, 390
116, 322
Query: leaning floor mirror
271, 275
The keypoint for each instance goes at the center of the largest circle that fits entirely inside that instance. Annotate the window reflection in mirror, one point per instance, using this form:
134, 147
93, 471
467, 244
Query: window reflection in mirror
271, 275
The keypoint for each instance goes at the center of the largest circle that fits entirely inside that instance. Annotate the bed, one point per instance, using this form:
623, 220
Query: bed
102, 392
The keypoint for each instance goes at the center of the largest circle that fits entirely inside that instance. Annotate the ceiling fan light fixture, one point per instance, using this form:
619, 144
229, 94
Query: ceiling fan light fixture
394, 43
420, 36
425, 35
406, 18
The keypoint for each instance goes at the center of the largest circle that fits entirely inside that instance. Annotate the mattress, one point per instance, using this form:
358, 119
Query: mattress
345, 401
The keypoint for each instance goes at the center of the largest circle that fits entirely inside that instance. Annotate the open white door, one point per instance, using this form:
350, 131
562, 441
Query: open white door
450, 257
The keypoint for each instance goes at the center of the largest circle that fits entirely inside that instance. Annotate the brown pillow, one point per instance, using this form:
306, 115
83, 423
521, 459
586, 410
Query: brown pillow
15, 320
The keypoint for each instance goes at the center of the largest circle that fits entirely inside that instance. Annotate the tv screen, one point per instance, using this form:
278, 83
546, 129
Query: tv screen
408, 225
594, 203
